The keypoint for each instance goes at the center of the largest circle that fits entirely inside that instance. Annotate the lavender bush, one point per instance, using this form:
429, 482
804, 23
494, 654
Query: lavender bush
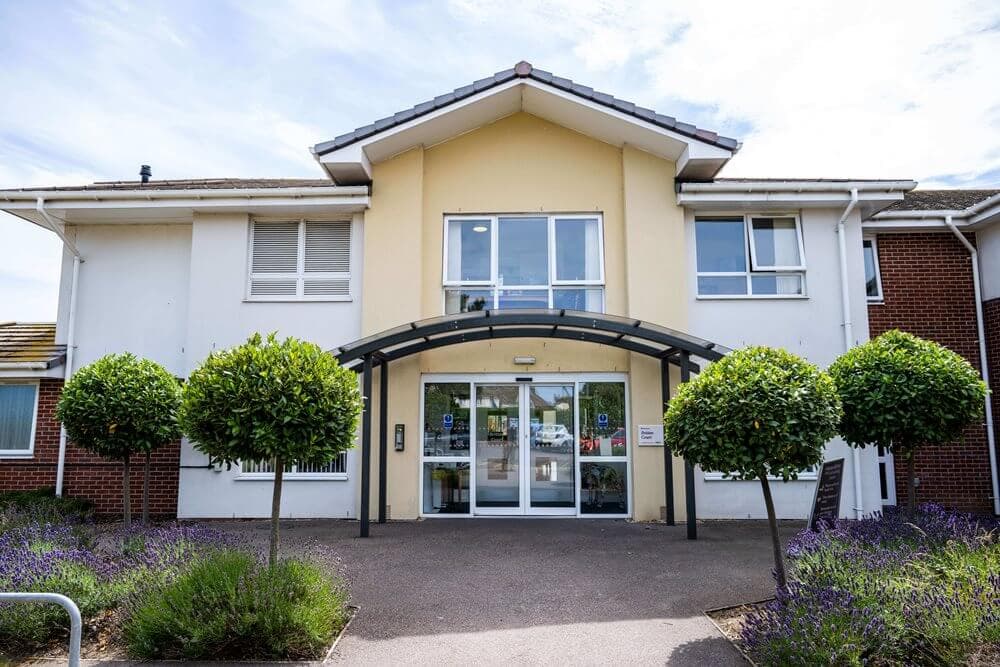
97, 566
890, 589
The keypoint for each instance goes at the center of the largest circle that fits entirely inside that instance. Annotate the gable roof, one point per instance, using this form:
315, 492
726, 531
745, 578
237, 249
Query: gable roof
526, 70
698, 153
942, 200
30, 345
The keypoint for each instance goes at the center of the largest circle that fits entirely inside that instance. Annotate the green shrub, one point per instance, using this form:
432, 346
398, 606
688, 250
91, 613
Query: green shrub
230, 605
902, 392
18, 508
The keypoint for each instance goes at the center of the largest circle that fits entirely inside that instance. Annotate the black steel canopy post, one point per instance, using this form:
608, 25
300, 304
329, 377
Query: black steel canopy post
692, 520
668, 456
383, 435
366, 442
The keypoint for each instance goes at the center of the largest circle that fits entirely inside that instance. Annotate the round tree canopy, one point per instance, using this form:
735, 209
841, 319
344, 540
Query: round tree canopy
267, 399
120, 405
900, 392
757, 409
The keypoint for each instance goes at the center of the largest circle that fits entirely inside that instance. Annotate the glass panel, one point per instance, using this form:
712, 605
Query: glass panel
17, 412
524, 298
446, 488
524, 251
603, 488
550, 415
778, 284
720, 246
775, 242
498, 469
591, 299
577, 249
469, 250
446, 419
871, 279
603, 430
882, 482
467, 300
714, 285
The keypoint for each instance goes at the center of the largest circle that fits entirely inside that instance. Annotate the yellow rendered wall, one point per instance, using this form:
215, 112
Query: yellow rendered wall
522, 164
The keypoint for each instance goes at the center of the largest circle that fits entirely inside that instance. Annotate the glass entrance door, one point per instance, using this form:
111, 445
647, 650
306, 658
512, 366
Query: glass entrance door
525, 449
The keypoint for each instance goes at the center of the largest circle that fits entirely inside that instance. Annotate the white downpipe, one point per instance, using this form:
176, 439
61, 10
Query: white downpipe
845, 302
70, 330
984, 366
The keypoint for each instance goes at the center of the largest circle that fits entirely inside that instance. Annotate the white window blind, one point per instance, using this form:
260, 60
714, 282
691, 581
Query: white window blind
307, 260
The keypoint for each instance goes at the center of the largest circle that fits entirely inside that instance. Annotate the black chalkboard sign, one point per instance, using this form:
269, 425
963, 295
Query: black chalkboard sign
826, 502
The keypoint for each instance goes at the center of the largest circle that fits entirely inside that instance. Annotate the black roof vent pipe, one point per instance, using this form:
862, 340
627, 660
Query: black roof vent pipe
145, 173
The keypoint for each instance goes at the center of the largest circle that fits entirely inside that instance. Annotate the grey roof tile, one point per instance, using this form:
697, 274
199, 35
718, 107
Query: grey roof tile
525, 70
941, 200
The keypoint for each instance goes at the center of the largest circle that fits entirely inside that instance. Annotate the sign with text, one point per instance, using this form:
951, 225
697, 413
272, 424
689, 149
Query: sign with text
447, 420
826, 502
650, 435
602, 420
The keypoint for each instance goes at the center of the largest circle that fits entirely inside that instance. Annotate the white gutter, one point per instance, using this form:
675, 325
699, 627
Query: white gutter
984, 367
203, 193
848, 327
23, 366
794, 186
70, 332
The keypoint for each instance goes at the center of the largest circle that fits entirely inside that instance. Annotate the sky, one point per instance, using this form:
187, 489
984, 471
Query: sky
243, 88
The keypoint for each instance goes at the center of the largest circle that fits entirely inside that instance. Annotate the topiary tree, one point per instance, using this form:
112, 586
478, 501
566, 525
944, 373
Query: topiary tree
274, 401
901, 392
755, 412
118, 406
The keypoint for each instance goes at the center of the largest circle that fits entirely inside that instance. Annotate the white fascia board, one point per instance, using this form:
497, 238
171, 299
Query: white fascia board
193, 193
906, 224
804, 186
198, 204
808, 199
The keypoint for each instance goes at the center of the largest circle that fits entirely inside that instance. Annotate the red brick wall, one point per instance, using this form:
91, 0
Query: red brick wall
927, 289
86, 475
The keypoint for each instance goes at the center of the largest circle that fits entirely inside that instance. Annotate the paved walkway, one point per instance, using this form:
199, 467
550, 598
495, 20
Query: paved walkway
491, 591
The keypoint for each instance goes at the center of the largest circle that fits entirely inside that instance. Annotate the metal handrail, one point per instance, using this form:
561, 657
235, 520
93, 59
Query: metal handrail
75, 621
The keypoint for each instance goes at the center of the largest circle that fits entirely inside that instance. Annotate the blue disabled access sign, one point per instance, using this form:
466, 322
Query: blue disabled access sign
447, 420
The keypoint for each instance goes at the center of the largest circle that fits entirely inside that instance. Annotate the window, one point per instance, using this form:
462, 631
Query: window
334, 469
300, 260
18, 407
750, 256
446, 448
873, 276
498, 262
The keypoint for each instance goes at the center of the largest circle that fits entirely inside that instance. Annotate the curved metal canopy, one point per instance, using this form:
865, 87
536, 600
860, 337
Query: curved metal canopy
621, 332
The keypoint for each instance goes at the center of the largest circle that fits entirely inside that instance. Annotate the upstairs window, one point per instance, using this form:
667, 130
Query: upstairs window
18, 407
750, 256
873, 276
300, 260
546, 261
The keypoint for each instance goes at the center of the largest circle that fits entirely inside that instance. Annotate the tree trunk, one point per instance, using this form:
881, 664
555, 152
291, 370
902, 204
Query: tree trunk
279, 471
911, 483
779, 556
145, 492
126, 493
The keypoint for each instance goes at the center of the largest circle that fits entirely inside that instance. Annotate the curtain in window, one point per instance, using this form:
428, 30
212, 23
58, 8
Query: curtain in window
17, 411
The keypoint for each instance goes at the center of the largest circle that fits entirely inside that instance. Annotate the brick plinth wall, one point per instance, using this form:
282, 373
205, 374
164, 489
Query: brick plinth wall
86, 475
928, 291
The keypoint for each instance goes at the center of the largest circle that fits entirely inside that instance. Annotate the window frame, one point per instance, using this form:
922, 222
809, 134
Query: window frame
30, 452
300, 274
493, 284
298, 476
808, 475
880, 297
752, 269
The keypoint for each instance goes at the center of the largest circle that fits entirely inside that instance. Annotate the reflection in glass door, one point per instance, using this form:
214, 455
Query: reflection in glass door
552, 436
498, 451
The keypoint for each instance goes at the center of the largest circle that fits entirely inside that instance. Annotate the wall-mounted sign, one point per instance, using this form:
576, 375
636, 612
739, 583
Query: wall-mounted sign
447, 420
650, 435
602, 420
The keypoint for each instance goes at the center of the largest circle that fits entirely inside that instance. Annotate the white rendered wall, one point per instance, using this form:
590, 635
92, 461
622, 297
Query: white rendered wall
812, 328
220, 317
988, 244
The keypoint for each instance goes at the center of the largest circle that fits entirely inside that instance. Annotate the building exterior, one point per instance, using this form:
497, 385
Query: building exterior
522, 193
